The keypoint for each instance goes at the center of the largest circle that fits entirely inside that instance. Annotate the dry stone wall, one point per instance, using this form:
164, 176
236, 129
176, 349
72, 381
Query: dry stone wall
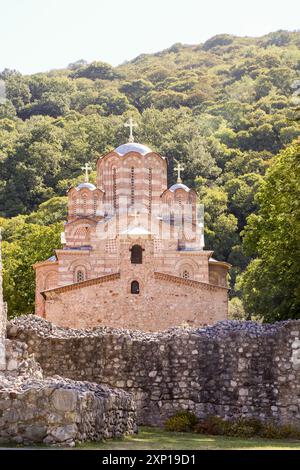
57, 410
229, 369
61, 411
2, 317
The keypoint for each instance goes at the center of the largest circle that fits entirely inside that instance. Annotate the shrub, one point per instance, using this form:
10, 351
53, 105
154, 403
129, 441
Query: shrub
239, 427
182, 421
212, 425
246, 427
285, 431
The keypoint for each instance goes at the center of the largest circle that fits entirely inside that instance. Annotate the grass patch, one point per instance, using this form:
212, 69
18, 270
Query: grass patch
151, 438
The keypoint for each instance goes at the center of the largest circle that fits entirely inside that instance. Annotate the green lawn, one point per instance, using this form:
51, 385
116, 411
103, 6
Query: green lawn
158, 439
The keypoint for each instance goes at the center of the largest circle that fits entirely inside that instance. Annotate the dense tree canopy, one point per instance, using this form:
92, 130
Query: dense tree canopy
271, 283
222, 108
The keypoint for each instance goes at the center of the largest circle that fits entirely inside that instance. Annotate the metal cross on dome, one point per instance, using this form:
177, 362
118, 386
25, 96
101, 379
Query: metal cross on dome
179, 168
131, 124
86, 168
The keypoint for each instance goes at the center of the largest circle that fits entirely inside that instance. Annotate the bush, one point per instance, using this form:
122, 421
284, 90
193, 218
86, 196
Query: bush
212, 425
240, 427
286, 431
182, 421
246, 427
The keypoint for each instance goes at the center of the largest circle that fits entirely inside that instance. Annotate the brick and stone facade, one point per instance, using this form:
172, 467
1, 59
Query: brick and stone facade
133, 252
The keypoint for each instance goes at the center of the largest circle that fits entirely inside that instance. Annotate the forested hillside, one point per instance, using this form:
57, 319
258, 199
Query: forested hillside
223, 108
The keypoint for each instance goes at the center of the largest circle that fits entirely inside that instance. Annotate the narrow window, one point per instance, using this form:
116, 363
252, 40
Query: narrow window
95, 206
136, 254
135, 287
132, 186
84, 209
74, 207
115, 187
185, 274
80, 276
150, 190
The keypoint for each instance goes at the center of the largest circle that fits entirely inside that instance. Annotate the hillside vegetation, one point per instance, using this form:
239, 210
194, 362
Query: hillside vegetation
224, 108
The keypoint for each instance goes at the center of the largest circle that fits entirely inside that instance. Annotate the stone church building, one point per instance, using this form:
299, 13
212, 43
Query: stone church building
133, 252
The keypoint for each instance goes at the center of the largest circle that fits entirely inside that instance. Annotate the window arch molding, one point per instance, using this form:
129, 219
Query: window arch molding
186, 269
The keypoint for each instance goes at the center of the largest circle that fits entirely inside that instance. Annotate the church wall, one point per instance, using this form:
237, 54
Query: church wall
161, 304
218, 274
231, 369
46, 277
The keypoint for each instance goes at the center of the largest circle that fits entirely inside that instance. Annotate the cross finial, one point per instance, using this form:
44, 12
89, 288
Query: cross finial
86, 168
131, 124
179, 168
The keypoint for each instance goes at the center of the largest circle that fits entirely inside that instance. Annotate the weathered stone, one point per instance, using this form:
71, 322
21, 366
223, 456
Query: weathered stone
12, 364
64, 400
63, 433
35, 433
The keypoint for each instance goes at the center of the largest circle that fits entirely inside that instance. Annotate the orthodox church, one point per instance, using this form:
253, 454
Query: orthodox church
133, 251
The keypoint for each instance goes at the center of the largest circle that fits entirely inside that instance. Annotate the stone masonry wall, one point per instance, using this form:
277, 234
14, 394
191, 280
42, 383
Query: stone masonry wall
229, 369
2, 317
57, 410
61, 411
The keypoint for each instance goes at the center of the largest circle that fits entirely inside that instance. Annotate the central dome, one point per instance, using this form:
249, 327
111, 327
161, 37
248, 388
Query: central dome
86, 185
179, 186
132, 147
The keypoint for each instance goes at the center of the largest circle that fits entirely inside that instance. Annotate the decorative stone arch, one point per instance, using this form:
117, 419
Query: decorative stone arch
133, 159
79, 262
82, 233
186, 269
50, 280
80, 265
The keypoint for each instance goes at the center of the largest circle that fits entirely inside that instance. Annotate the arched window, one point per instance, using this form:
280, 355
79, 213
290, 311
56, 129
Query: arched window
136, 254
95, 206
185, 274
74, 204
84, 204
132, 186
80, 275
135, 287
150, 190
115, 187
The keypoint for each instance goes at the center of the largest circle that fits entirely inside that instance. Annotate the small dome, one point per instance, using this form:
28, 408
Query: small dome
179, 186
86, 185
132, 147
